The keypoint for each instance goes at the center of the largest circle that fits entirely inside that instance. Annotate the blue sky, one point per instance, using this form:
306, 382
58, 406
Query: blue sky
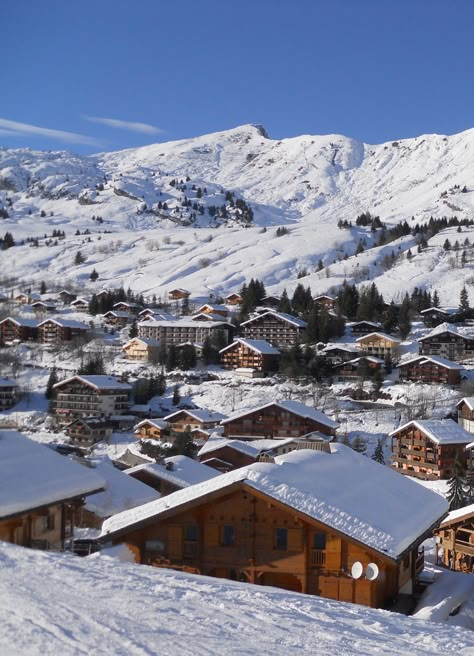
112, 74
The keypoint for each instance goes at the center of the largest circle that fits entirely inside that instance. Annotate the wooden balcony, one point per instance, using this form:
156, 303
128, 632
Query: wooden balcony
464, 547
318, 558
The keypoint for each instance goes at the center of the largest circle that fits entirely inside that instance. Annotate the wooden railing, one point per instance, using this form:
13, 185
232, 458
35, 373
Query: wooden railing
318, 557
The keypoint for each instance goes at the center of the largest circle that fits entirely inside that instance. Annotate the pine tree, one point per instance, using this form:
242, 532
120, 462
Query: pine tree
464, 301
79, 258
94, 275
176, 395
52, 380
404, 324
133, 330
435, 299
359, 444
284, 305
171, 358
378, 453
187, 357
457, 487
43, 287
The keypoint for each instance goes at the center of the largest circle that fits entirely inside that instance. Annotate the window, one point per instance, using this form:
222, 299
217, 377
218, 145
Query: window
228, 536
48, 522
281, 539
319, 541
191, 533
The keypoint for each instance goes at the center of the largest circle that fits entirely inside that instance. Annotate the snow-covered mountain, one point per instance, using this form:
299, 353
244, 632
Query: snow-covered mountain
179, 212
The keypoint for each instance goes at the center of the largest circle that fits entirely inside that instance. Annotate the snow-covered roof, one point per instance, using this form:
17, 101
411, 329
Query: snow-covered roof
295, 321
214, 444
468, 400
33, 475
6, 382
295, 407
207, 317
98, 381
148, 341
437, 309
121, 314
258, 345
375, 324
380, 335
335, 489
458, 515
220, 308
66, 323
184, 471
442, 328
158, 314
21, 321
441, 431
365, 358
442, 362
199, 414
272, 443
349, 348
157, 423
121, 492
178, 323
80, 301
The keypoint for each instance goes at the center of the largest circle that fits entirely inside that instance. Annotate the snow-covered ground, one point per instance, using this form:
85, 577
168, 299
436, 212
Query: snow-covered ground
99, 605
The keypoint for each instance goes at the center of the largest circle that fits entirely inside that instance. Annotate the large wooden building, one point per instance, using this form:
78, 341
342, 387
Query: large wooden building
40, 492
279, 419
54, 331
8, 393
175, 473
141, 349
287, 524
185, 421
447, 342
87, 431
250, 353
456, 538
465, 408
281, 330
431, 370
18, 330
379, 344
428, 449
359, 368
90, 396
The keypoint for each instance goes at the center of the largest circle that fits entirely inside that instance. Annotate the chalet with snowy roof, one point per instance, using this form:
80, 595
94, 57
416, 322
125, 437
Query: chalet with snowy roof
280, 329
151, 429
40, 492
156, 315
465, 408
24, 298
87, 431
224, 455
202, 316
456, 538
90, 396
43, 306
117, 318
255, 354
209, 308
270, 301
186, 331
292, 524
363, 367
433, 316
379, 344
447, 342
66, 297
430, 369
427, 449
233, 299
80, 304
178, 294
131, 308
18, 330
279, 419
360, 328
176, 473
8, 393
337, 353
185, 421
121, 492
324, 300
54, 331
141, 349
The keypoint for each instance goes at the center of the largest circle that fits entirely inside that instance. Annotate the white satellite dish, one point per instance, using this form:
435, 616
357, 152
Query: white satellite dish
371, 572
357, 570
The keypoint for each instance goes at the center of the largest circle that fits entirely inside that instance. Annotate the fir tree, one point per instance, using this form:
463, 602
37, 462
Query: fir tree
435, 299
52, 380
457, 487
79, 258
378, 453
284, 305
404, 324
94, 275
133, 330
176, 395
359, 444
43, 287
464, 301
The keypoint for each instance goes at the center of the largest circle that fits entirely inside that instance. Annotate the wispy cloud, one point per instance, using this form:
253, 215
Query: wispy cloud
10, 128
132, 126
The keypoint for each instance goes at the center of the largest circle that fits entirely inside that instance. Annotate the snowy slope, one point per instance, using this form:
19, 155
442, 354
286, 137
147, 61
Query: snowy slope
100, 606
307, 183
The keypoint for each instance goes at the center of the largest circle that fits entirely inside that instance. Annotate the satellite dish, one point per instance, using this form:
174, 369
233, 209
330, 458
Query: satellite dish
357, 570
371, 572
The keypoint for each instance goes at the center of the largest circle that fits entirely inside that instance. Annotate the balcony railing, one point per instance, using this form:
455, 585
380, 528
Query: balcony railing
318, 557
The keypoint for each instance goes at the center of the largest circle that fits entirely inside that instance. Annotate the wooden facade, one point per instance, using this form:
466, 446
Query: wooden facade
359, 328
456, 537
141, 349
54, 331
45, 528
431, 371
363, 367
90, 396
257, 355
21, 330
8, 393
433, 316
279, 329
185, 421
379, 344
186, 331
117, 319
227, 457
465, 408
233, 299
151, 429
214, 309
178, 294
448, 344
419, 450
242, 534
279, 419
326, 301
88, 431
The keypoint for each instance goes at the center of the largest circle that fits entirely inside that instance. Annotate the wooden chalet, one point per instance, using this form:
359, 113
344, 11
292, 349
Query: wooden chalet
360, 328
252, 353
131, 308
279, 419
379, 344
203, 316
233, 299
87, 431
270, 302
80, 304
208, 308
185, 331
178, 294
23, 298
427, 449
447, 342
363, 367
40, 492
465, 408
8, 393
66, 297
275, 327
225, 455
154, 314
43, 307
456, 537
175, 473
269, 524
433, 316
117, 318
151, 429
324, 300
18, 330
54, 331
337, 353
90, 396
430, 370
185, 421
141, 349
